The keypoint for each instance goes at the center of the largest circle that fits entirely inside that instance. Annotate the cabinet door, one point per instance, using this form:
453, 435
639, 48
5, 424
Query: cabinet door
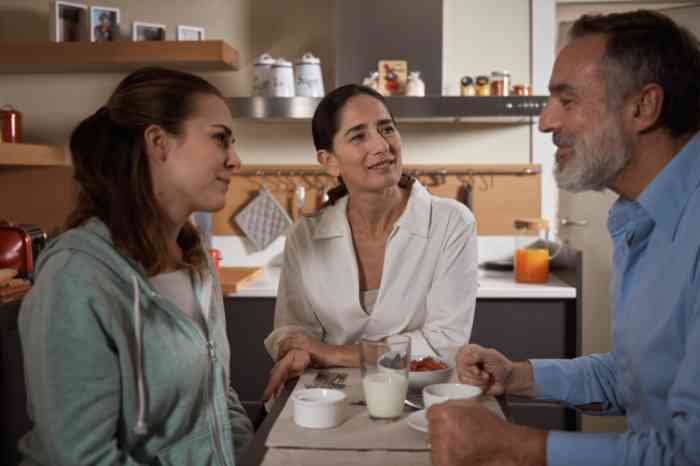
527, 328
248, 322
13, 398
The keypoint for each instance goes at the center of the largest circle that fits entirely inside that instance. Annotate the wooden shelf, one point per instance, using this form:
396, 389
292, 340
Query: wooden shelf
54, 57
32, 155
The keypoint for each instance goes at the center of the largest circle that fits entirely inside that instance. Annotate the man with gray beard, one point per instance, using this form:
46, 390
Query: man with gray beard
624, 113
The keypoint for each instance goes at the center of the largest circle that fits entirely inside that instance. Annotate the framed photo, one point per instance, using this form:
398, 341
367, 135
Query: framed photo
147, 31
69, 22
104, 24
190, 33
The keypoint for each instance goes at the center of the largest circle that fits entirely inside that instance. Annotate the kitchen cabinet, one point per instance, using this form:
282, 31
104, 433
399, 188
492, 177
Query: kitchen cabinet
13, 398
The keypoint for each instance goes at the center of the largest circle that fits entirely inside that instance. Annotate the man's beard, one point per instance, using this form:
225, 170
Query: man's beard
594, 161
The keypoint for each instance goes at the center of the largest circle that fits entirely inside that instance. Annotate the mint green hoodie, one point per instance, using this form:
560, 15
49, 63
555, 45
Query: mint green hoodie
118, 375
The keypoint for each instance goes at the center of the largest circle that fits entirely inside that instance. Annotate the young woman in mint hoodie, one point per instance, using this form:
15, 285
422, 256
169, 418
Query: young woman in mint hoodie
124, 339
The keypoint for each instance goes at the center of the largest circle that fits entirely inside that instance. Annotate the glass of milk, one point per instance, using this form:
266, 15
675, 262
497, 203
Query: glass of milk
385, 364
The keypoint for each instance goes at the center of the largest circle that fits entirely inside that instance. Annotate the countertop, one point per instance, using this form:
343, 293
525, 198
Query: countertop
492, 285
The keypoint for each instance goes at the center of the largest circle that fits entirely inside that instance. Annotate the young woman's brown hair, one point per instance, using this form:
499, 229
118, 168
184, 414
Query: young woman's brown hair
112, 170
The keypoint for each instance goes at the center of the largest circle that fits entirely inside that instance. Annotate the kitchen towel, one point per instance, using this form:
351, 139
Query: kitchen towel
263, 219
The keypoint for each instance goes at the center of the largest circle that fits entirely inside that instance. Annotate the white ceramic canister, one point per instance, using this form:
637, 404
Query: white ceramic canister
308, 80
262, 84
282, 79
415, 86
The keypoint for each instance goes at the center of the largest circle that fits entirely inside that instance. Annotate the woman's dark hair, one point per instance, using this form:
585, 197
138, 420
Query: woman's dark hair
112, 169
326, 123
647, 47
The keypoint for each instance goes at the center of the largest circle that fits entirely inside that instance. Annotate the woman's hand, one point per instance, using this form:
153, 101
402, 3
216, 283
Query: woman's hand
292, 365
322, 354
300, 341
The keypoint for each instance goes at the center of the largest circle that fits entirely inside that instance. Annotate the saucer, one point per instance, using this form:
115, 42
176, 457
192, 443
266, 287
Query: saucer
418, 421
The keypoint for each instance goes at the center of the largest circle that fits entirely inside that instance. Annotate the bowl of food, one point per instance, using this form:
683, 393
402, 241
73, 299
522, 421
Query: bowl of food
429, 370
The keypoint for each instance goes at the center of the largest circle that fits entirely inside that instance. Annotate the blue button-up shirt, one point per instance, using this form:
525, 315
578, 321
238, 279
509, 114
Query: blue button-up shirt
652, 374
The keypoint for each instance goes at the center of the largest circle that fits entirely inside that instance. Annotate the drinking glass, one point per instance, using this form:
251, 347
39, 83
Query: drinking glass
385, 364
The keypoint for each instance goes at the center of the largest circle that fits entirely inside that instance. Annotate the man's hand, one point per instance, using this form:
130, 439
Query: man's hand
493, 372
464, 432
291, 365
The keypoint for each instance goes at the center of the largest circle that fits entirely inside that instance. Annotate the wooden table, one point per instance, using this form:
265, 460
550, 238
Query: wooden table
258, 453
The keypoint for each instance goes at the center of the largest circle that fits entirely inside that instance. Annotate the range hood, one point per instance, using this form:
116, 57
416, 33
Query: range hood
367, 31
487, 110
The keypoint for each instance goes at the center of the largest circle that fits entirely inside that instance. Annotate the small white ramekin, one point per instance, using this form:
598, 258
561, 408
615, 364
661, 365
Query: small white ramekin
319, 408
442, 392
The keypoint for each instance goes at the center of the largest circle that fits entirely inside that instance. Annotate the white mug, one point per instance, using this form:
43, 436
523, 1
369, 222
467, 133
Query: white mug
308, 80
261, 83
282, 79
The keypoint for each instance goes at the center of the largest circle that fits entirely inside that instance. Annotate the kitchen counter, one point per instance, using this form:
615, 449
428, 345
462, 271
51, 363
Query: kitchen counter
492, 285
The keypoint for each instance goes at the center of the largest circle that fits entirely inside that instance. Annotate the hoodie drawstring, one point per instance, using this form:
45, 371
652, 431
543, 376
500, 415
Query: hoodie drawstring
141, 428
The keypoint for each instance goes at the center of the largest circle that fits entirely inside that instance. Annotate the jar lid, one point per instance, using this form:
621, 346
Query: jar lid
265, 59
531, 224
281, 62
308, 58
466, 80
482, 79
500, 73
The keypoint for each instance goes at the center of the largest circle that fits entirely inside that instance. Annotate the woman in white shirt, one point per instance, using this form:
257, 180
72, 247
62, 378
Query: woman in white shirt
383, 257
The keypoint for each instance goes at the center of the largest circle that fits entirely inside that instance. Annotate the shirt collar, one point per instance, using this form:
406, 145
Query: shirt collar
665, 198
415, 218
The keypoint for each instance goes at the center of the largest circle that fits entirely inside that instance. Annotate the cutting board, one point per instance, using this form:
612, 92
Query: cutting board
235, 278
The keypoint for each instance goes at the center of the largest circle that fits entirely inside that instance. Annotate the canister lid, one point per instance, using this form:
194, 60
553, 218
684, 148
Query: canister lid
281, 62
264, 59
308, 58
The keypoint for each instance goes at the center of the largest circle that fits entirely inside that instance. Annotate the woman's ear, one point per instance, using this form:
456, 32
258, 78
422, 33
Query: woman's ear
157, 143
329, 162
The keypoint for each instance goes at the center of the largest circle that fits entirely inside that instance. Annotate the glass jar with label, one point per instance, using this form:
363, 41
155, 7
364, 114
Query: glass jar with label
483, 88
415, 87
500, 83
533, 250
466, 86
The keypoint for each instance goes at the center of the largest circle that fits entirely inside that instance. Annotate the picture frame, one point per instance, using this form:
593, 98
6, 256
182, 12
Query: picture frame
104, 24
193, 33
141, 31
69, 22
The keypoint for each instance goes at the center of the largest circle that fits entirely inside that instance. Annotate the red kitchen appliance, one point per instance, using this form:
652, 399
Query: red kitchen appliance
20, 245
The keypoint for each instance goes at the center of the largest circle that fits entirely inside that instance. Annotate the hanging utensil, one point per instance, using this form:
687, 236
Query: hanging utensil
300, 195
466, 195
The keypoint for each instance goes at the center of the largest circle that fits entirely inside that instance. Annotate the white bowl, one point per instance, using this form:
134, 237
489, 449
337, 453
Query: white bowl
418, 380
442, 392
319, 408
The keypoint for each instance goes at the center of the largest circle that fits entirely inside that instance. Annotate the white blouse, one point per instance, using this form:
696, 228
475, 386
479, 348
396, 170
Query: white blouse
428, 286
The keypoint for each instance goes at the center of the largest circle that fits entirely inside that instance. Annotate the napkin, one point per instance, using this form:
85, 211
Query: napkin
263, 219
